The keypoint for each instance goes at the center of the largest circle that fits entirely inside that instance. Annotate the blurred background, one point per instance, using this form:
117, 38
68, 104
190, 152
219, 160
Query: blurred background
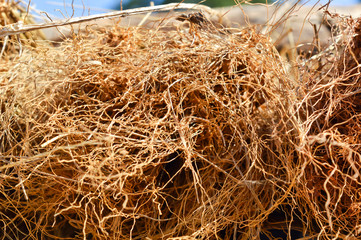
62, 8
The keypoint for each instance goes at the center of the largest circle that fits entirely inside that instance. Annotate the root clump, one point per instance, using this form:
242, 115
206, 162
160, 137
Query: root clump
188, 133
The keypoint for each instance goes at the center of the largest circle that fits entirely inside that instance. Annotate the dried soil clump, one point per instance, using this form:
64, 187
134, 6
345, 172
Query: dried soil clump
140, 133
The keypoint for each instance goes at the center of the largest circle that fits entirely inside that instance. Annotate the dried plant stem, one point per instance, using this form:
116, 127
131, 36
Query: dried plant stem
17, 28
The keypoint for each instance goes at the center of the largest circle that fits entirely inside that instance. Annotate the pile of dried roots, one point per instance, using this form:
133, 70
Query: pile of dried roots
189, 133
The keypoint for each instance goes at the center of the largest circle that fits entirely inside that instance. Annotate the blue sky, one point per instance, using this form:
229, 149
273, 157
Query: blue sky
98, 6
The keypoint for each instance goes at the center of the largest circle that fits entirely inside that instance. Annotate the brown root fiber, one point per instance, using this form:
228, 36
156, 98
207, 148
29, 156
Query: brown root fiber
145, 134
185, 134
331, 146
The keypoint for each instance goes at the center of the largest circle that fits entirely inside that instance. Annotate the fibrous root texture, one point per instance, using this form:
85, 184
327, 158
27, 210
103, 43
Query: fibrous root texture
186, 133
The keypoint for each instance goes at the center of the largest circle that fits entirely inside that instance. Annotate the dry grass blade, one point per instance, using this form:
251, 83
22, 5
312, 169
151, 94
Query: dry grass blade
18, 28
